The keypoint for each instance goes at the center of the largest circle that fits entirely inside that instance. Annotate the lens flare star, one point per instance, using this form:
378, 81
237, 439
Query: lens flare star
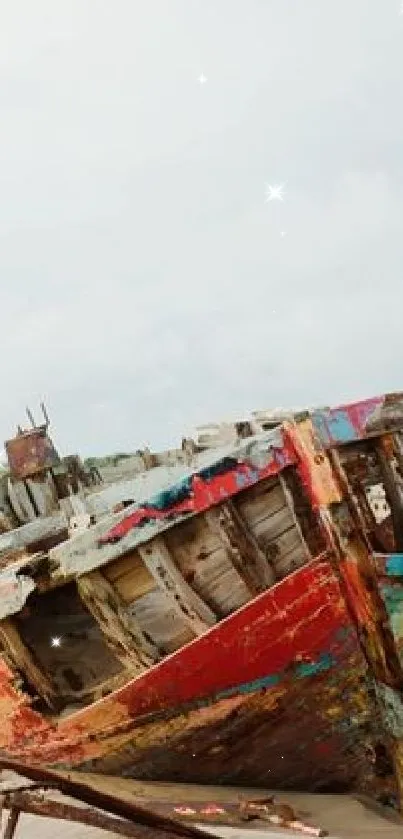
56, 642
274, 193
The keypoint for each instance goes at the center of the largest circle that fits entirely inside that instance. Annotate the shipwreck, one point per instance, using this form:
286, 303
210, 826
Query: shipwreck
237, 618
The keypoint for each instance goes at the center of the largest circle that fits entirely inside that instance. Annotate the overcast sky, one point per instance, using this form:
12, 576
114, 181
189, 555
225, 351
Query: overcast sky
146, 284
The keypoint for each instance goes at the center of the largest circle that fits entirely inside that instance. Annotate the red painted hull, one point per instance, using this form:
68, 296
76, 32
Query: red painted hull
274, 695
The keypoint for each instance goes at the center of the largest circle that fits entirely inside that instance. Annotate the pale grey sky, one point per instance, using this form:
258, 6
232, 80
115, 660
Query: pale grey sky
146, 286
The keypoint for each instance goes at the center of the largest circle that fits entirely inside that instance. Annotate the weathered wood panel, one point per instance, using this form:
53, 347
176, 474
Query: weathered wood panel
188, 605
33, 532
216, 580
206, 566
190, 543
130, 577
23, 660
121, 631
254, 504
243, 550
269, 515
160, 621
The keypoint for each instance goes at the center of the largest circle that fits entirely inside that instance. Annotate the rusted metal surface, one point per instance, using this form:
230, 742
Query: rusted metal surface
30, 453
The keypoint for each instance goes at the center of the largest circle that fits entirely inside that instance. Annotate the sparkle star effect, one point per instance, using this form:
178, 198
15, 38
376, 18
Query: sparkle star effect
274, 193
55, 642
202, 79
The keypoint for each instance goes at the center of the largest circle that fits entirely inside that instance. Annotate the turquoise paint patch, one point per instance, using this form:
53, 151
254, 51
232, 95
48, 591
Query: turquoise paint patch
334, 427
250, 687
302, 671
393, 597
325, 662
394, 565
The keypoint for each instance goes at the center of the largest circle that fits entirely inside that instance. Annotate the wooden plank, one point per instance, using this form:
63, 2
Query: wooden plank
285, 565
261, 501
282, 545
122, 633
206, 566
191, 544
160, 621
23, 660
188, 605
37, 805
34, 531
107, 801
272, 526
130, 577
290, 504
245, 554
219, 584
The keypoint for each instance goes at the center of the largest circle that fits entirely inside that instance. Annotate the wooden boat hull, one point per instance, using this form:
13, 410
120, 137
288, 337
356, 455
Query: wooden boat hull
276, 695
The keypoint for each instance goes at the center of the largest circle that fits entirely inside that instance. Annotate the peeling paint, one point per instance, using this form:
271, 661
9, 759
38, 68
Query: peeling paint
14, 591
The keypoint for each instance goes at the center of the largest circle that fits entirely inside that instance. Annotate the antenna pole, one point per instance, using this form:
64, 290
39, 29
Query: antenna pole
30, 417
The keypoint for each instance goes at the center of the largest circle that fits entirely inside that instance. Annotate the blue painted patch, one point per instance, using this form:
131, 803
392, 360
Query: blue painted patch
325, 662
241, 480
393, 597
334, 427
302, 671
394, 565
168, 497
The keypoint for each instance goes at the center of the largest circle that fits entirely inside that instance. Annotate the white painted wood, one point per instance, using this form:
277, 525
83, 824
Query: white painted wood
33, 531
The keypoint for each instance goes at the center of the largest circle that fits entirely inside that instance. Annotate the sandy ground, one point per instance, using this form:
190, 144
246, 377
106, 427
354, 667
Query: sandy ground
343, 816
